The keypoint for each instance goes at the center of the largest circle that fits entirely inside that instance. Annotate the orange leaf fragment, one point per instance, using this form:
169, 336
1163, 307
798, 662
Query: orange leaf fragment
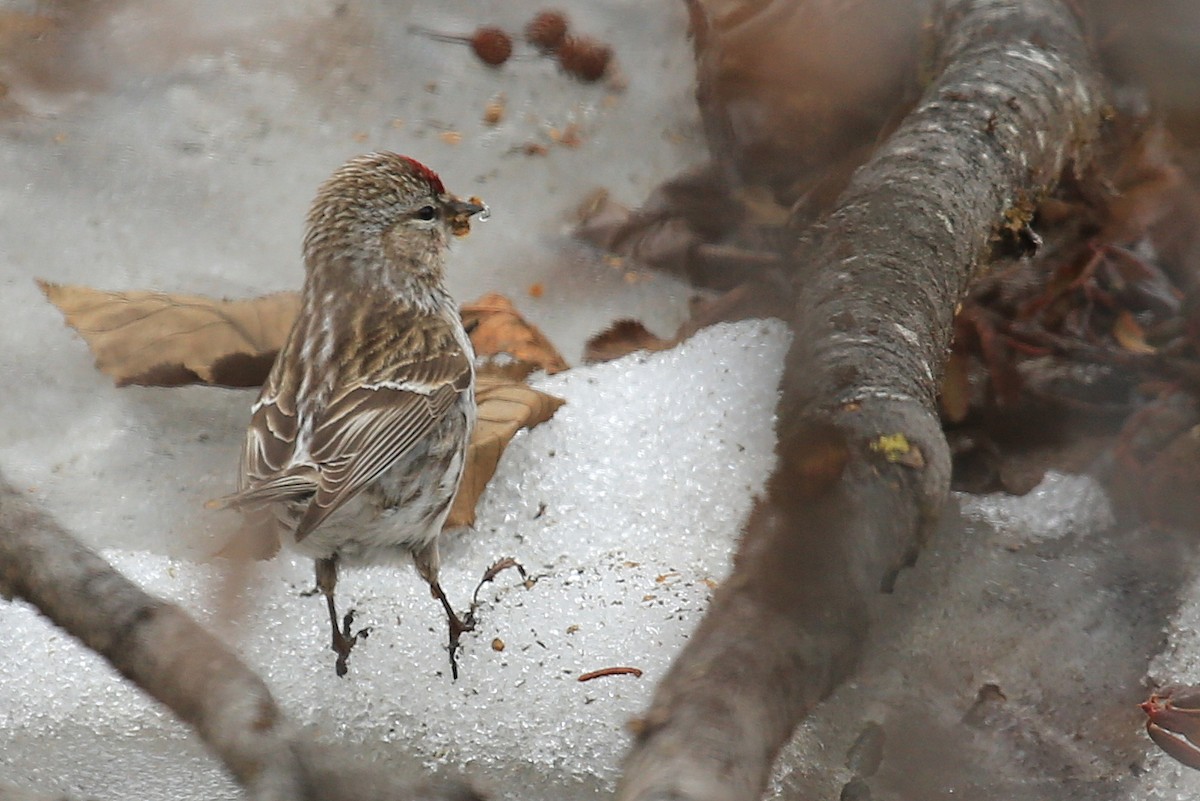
497, 327
1130, 335
955, 397
622, 338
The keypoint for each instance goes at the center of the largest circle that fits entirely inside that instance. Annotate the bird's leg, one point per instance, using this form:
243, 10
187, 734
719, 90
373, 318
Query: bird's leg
427, 562
343, 640
457, 625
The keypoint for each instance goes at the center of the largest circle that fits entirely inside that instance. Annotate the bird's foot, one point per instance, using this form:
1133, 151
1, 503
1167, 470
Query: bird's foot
458, 626
344, 640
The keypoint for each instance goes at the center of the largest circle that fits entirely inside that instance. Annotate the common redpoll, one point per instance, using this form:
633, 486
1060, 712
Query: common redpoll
356, 443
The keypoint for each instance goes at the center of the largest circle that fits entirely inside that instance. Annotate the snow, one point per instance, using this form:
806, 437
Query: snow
1060, 506
593, 504
176, 146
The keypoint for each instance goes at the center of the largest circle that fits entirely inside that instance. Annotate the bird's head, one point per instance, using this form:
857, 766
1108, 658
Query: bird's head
382, 213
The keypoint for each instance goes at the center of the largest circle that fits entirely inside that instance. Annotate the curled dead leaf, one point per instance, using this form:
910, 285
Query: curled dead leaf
497, 327
157, 339
166, 340
504, 408
622, 338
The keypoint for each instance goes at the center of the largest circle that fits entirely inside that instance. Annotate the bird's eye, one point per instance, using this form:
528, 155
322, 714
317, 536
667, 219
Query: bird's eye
426, 213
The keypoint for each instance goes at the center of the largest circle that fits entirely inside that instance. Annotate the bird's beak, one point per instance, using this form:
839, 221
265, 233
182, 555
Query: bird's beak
460, 212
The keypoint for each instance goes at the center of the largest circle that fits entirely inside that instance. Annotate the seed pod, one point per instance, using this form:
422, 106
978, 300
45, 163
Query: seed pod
584, 58
547, 30
492, 45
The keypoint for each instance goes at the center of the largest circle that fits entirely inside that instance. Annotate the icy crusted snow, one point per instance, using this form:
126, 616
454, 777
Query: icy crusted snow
1060, 505
625, 507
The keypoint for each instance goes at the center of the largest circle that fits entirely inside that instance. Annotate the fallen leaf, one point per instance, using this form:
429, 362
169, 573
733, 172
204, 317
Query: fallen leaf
156, 339
955, 397
167, 340
1128, 332
622, 338
504, 408
497, 327
761, 206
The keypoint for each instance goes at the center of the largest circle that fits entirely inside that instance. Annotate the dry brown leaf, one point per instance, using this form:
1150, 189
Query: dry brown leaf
160, 339
504, 408
156, 339
497, 327
622, 338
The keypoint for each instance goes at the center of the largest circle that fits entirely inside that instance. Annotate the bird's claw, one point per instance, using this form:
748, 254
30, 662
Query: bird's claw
459, 626
344, 640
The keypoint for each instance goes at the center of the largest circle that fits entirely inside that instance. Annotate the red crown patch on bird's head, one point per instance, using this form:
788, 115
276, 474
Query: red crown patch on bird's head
426, 173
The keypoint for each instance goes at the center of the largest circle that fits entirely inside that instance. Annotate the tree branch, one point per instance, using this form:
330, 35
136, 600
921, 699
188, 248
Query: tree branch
864, 468
158, 647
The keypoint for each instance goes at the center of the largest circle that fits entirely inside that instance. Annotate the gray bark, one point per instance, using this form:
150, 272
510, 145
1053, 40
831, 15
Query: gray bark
864, 468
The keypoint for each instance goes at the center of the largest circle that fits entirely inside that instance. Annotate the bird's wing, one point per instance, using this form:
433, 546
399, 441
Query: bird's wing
367, 430
268, 474
405, 378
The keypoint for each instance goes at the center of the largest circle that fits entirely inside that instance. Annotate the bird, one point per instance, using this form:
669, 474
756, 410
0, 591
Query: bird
357, 441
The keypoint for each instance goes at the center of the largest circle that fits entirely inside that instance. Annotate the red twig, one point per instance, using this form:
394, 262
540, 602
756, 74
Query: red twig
611, 671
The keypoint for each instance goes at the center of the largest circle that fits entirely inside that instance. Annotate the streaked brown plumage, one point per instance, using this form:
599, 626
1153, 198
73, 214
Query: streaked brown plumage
356, 443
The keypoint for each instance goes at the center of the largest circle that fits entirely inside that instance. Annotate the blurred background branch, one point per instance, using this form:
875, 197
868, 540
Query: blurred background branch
864, 470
